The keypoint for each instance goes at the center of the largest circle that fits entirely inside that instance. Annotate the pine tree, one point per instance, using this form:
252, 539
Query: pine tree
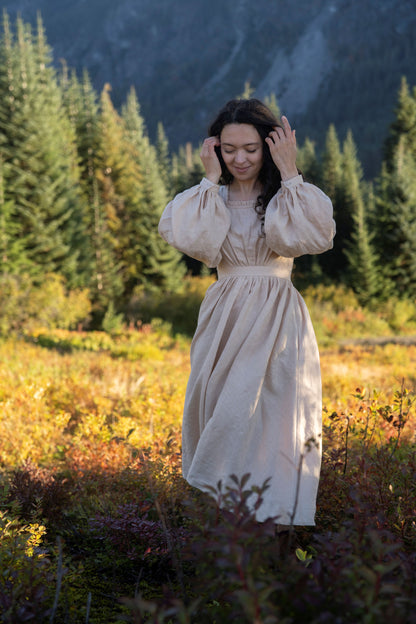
396, 198
350, 198
161, 266
163, 158
333, 262
38, 149
397, 227
363, 270
308, 162
405, 205
98, 260
120, 193
332, 164
12, 257
187, 168
247, 92
271, 102
386, 231
403, 128
307, 268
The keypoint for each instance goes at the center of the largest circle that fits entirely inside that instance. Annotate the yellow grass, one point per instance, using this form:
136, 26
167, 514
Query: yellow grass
51, 400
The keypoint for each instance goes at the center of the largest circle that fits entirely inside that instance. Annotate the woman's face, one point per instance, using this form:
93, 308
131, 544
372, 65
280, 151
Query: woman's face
242, 151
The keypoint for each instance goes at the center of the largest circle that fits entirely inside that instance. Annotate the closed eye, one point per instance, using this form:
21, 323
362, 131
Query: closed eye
249, 151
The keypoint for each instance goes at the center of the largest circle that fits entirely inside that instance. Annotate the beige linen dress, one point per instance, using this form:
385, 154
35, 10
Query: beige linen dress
254, 393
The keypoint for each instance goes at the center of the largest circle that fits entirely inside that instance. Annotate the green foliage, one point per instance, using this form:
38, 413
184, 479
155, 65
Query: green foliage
180, 309
82, 189
271, 102
150, 343
403, 128
25, 571
396, 198
161, 264
97, 263
12, 255
163, 158
37, 147
335, 185
187, 168
337, 313
25, 305
112, 322
53, 306
363, 273
332, 164
399, 313
308, 163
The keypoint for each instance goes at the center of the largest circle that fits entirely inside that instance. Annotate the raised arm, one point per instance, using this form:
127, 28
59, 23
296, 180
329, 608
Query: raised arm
196, 222
299, 220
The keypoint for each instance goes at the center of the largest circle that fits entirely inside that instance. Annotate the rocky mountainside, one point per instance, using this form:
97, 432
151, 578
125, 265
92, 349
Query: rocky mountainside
327, 61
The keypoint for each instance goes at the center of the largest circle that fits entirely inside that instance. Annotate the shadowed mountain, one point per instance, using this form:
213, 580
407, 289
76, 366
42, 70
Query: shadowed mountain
326, 60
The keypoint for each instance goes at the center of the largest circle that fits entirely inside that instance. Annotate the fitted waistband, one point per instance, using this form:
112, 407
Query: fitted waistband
283, 270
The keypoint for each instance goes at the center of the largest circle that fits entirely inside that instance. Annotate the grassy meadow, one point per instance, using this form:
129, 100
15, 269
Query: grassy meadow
97, 524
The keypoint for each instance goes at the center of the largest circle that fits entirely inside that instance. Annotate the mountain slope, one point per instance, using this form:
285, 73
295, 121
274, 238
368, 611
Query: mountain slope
327, 60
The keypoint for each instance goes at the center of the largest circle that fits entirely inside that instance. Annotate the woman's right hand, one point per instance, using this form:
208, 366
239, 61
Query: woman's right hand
210, 159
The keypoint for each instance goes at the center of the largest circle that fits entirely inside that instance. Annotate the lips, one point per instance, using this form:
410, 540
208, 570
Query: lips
242, 169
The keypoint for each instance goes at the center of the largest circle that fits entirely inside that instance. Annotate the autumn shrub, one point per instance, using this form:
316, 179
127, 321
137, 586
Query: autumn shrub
51, 398
67, 341
90, 451
240, 571
335, 310
148, 342
400, 314
337, 315
14, 291
25, 305
138, 537
179, 308
26, 573
39, 492
52, 305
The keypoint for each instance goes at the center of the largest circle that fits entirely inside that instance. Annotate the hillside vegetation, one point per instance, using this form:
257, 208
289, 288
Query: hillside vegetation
98, 526
82, 188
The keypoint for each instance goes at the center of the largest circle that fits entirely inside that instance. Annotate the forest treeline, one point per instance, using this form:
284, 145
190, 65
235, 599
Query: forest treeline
82, 188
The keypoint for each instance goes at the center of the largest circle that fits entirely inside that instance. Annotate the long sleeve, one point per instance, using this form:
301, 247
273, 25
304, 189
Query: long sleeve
196, 222
299, 220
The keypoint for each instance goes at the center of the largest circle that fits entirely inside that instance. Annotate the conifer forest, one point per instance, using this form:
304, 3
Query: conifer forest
96, 317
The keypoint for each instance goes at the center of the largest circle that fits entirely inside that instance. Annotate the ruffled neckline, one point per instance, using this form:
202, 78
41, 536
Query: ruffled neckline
239, 202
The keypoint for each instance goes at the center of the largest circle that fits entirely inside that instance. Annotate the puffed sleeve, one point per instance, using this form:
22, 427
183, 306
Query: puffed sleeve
196, 222
299, 220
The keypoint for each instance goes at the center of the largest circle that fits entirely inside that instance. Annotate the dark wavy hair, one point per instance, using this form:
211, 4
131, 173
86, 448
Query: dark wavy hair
257, 114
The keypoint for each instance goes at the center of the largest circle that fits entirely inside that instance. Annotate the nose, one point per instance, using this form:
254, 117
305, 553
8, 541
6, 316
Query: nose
240, 156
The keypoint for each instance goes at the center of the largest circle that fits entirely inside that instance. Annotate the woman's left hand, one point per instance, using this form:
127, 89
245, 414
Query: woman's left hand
282, 145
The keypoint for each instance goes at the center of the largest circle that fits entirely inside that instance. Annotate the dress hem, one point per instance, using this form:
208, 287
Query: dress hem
276, 518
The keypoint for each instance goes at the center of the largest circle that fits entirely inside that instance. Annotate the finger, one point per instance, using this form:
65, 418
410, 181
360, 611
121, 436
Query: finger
286, 125
274, 134
212, 140
208, 146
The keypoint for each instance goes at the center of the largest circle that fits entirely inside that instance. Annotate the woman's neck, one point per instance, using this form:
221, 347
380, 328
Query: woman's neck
245, 190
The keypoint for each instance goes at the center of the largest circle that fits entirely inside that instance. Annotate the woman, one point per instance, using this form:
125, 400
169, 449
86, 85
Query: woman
253, 401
